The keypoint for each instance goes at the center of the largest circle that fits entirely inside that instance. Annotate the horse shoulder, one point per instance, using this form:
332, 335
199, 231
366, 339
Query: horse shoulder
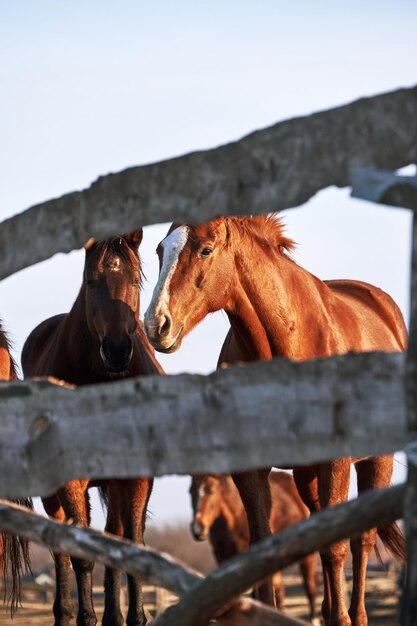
38, 345
232, 351
144, 361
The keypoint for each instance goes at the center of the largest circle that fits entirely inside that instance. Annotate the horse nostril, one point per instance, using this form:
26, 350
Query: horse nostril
116, 351
165, 325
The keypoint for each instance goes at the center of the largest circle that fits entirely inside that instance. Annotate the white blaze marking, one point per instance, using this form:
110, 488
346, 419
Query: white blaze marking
114, 265
171, 250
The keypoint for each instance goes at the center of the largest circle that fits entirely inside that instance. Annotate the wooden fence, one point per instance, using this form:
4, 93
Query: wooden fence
357, 404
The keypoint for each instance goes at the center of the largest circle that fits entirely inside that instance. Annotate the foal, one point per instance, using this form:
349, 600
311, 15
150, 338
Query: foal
277, 308
100, 339
14, 551
218, 513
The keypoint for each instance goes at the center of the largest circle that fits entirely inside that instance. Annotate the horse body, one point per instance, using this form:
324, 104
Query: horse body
277, 308
14, 551
100, 339
218, 512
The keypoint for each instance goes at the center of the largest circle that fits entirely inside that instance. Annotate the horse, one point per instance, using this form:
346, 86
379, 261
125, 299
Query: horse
244, 266
14, 551
99, 340
218, 513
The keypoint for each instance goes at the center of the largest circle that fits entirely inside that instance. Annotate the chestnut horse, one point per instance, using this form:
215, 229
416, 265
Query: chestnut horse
14, 551
277, 308
218, 513
100, 339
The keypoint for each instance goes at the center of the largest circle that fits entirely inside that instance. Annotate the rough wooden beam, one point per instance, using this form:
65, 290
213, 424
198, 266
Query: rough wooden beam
275, 168
219, 589
385, 188
247, 612
262, 414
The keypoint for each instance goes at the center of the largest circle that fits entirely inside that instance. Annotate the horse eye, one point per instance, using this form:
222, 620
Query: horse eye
91, 283
206, 252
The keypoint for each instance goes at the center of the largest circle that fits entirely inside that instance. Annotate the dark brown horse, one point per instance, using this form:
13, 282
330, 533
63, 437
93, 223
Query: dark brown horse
218, 513
100, 339
277, 308
14, 551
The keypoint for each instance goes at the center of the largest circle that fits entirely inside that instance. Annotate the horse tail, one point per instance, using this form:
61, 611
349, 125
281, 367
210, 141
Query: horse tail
104, 498
393, 539
15, 562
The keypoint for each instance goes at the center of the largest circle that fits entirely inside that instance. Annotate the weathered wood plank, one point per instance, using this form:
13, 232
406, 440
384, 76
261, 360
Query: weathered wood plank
266, 413
220, 588
248, 612
278, 167
385, 188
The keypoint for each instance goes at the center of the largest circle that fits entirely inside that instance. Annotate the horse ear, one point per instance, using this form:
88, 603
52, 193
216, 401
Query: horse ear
135, 237
89, 244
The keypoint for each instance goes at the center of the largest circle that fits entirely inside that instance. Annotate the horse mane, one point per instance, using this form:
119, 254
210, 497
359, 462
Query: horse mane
7, 344
267, 229
118, 246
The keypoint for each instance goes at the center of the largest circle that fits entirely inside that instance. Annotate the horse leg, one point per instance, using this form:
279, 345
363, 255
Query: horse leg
63, 607
279, 591
334, 478
74, 500
308, 572
255, 493
372, 473
136, 496
112, 615
307, 485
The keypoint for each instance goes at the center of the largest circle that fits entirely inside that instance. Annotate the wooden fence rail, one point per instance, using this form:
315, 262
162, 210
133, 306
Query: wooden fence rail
278, 413
278, 167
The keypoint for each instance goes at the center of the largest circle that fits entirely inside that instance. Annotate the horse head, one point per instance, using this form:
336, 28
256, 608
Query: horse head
194, 280
206, 500
112, 281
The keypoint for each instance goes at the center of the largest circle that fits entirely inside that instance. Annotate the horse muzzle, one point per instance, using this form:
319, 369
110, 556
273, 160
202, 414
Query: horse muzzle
116, 354
198, 531
161, 336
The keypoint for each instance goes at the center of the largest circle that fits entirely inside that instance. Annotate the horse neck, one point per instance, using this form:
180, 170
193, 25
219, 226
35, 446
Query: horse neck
233, 511
267, 306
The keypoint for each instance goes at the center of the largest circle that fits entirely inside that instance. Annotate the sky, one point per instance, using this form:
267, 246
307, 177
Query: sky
89, 88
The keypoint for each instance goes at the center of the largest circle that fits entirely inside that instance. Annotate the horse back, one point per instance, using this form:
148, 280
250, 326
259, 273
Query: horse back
376, 312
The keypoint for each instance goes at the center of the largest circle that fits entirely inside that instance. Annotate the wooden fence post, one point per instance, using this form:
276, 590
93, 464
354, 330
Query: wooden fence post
409, 601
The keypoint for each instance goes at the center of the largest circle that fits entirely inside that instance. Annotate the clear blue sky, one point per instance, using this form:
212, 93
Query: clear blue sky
92, 87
